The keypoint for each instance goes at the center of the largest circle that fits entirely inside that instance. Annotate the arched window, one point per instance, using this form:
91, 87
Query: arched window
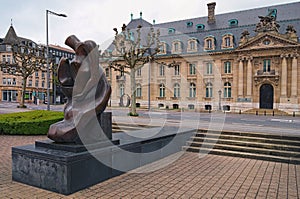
176, 90
138, 90
122, 89
227, 42
209, 43
162, 90
209, 90
192, 90
227, 90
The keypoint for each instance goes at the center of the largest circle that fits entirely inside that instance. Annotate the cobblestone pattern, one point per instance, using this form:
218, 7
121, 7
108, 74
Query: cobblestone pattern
188, 177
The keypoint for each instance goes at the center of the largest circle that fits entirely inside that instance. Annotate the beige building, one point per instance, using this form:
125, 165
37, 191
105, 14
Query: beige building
235, 61
11, 85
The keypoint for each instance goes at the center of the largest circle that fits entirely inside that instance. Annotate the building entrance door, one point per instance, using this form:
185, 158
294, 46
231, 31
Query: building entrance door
266, 96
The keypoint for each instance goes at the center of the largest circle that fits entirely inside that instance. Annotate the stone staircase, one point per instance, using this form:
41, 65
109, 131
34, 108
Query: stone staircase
262, 146
270, 112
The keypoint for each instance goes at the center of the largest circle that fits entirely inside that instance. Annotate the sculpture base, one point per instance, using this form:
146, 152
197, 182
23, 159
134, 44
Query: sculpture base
67, 168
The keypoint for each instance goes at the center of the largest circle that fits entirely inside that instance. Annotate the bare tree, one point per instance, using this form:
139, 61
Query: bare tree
26, 59
132, 53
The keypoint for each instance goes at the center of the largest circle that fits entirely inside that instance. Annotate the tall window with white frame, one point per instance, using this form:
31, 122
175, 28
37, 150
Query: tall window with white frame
192, 67
209, 90
227, 67
267, 65
139, 72
227, 42
138, 90
177, 70
176, 90
162, 90
209, 68
161, 70
227, 90
209, 43
192, 93
122, 90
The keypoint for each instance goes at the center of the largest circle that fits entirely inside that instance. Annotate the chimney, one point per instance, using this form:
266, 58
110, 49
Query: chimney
211, 13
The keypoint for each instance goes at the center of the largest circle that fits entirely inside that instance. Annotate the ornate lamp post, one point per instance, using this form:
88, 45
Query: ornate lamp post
47, 58
220, 92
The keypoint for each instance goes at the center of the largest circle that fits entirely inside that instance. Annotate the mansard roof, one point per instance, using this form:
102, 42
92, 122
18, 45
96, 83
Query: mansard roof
244, 20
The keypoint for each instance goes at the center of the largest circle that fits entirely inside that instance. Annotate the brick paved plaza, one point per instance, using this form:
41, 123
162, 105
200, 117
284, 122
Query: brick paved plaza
188, 177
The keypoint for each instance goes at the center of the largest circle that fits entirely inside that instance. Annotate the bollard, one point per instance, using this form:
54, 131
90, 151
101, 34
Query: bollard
240, 112
256, 113
294, 114
265, 113
273, 113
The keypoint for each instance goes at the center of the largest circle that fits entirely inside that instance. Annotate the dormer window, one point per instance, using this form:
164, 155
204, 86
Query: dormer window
192, 45
209, 43
176, 46
163, 48
200, 26
227, 41
189, 24
171, 30
233, 22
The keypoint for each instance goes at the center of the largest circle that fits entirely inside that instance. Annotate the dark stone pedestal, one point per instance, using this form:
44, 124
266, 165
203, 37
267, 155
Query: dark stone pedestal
66, 168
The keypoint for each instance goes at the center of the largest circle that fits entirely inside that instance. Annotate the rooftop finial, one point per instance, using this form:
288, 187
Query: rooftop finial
141, 15
11, 22
153, 21
131, 15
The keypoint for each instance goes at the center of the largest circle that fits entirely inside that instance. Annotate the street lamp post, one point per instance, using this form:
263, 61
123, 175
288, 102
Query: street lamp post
47, 56
220, 92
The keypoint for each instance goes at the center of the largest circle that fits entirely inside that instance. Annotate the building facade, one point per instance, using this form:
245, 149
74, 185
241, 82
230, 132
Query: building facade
234, 61
11, 85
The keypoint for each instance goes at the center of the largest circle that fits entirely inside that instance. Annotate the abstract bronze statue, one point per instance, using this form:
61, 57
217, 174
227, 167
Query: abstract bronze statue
87, 90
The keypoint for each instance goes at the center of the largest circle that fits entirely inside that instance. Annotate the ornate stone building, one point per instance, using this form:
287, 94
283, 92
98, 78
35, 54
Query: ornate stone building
235, 61
11, 85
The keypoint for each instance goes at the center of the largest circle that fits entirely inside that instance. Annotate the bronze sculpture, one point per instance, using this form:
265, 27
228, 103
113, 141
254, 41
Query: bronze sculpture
87, 90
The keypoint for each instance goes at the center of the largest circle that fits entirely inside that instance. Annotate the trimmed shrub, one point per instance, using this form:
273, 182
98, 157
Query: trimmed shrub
28, 123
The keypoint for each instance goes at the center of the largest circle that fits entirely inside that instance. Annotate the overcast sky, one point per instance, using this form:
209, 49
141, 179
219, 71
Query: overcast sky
95, 19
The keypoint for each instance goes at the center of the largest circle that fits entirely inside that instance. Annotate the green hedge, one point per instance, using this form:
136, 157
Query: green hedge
28, 123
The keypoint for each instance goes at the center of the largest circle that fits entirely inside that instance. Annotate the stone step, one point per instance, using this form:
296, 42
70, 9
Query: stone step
266, 146
266, 112
283, 136
246, 139
291, 160
249, 149
284, 147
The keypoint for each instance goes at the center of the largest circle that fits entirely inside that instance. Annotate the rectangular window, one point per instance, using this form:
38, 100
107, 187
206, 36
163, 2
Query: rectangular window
192, 69
36, 73
4, 81
161, 70
37, 83
267, 65
209, 69
14, 81
30, 83
8, 81
177, 70
8, 59
3, 58
139, 72
227, 67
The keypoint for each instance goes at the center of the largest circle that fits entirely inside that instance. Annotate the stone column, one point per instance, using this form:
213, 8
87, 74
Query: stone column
284, 77
249, 77
294, 77
241, 79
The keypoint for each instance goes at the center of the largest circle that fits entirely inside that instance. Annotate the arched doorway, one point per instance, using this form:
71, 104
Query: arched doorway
266, 96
